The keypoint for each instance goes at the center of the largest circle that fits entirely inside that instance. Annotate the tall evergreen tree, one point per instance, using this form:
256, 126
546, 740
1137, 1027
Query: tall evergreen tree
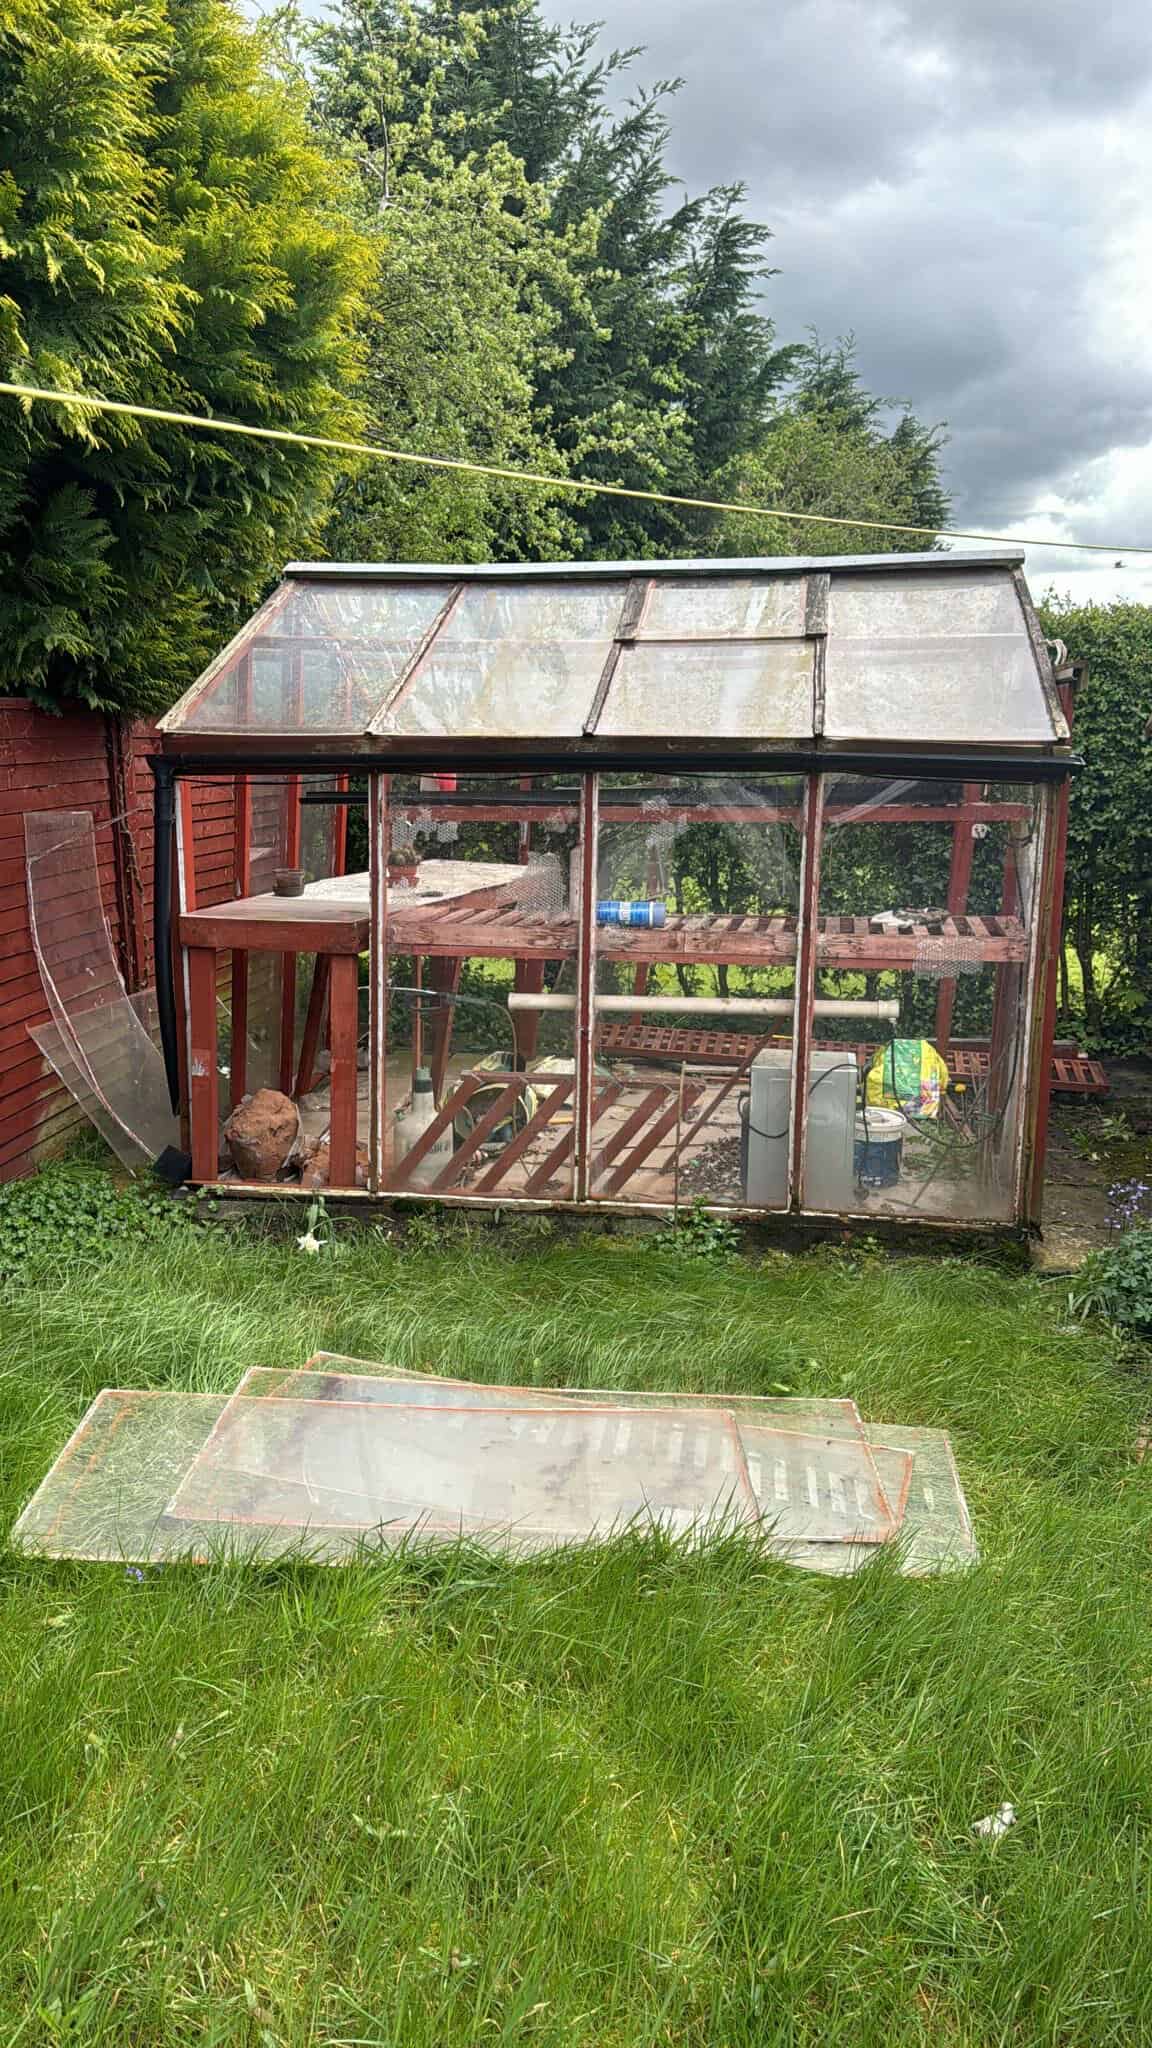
169, 233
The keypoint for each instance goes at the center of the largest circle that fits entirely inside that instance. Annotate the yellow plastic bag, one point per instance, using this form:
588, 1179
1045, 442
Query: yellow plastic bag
908, 1074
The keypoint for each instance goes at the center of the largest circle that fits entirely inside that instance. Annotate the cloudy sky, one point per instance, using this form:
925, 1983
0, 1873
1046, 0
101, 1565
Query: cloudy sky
967, 187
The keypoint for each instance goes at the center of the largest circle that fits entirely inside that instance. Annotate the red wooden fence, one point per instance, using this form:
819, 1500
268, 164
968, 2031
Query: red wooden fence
81, 761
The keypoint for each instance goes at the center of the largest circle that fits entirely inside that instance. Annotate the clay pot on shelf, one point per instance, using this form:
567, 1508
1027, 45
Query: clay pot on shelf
403, 865
288, 882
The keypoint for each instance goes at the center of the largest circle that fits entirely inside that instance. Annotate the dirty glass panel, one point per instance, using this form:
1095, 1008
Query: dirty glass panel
245, 831
545, 1477
65, 1063
479, 1075
105, 1496
318, 658
732, 607
109, 1494
698, 884
935, 1533
711, 690
329, 1376
932, 658
512, 660
809, 1462
101, 1029
927, 920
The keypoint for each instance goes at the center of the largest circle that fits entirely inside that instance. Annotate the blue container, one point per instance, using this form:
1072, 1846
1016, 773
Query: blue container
879, 1149
650, 915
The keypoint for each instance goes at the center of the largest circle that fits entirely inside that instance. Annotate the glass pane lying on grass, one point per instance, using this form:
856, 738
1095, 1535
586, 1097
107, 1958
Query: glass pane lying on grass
104, 1497
916, 1468
330, 1376
821, 1487
394, 1471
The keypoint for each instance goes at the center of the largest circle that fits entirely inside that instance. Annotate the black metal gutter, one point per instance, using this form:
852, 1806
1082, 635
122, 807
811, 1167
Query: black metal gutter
164, 822
965, 765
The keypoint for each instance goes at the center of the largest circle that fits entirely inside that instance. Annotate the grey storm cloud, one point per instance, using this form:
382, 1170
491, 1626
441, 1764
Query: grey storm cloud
966, 188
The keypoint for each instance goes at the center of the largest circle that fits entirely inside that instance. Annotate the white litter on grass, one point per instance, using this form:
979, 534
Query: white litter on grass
995, 1824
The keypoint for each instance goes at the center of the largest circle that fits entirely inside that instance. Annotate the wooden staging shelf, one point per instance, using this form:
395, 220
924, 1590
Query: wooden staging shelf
1070, 1073
503, 932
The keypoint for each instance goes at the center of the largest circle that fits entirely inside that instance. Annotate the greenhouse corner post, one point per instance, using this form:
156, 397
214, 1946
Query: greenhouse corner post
378, 825
805, 991
585, 1048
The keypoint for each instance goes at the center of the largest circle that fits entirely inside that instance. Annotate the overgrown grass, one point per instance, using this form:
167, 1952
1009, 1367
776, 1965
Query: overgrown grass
636, 1796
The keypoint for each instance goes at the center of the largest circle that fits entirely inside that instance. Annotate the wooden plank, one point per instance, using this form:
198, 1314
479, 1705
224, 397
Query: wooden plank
482, 1129
516, 1148
301, 935
646, 1145
632, 1124
202, 1082
550, 1167
343, 1096
446, 1115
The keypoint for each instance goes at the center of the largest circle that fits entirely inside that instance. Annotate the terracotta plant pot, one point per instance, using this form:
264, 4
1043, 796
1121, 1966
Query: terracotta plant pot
289, 882
403, 869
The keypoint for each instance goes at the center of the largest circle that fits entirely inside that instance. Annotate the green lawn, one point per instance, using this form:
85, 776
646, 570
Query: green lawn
636, 1796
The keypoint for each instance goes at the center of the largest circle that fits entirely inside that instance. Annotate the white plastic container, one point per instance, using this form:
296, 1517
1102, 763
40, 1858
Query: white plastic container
410, 1125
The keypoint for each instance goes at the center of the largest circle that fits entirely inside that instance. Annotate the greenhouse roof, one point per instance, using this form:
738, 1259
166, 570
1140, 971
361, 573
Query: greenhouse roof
594, 658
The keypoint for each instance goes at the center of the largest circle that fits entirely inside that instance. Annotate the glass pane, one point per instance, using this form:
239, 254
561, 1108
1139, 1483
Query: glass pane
927, 907
102, 1046
697, 896
716, 690
319, 657
513, 660
933, 658
122, 1487
249, 837
544, 1477
481, 944
717, 608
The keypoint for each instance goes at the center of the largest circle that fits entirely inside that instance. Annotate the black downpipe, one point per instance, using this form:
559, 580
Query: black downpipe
164, 821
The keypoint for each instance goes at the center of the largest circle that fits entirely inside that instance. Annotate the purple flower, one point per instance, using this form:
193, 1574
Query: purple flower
133, 1571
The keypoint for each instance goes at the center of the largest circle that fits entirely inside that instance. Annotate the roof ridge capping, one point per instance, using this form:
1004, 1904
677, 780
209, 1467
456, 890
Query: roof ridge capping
712, 565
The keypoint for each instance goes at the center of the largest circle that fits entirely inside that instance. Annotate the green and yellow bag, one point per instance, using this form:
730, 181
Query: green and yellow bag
908, 1074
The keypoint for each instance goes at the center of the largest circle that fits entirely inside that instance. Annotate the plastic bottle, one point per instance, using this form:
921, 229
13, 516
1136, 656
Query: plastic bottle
412, 1122
649, 913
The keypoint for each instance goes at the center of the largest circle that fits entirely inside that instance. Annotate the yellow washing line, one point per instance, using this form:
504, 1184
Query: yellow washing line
207, 424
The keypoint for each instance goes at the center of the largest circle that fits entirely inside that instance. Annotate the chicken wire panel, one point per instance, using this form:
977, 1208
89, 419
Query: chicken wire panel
540, 1477
510, 662
102, 1034
722, 689
319, 657
945, 658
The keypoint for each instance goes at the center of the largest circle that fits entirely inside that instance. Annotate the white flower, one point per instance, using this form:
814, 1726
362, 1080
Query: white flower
309, 1242
995, 1824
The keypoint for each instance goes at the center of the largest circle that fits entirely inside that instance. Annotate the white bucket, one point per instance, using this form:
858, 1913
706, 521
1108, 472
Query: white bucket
879, 1148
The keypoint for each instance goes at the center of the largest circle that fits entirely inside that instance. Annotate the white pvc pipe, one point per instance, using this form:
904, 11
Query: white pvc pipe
706, 1006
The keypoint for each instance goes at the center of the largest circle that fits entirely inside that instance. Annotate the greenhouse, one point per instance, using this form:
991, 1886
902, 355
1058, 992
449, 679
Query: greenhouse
625, 886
